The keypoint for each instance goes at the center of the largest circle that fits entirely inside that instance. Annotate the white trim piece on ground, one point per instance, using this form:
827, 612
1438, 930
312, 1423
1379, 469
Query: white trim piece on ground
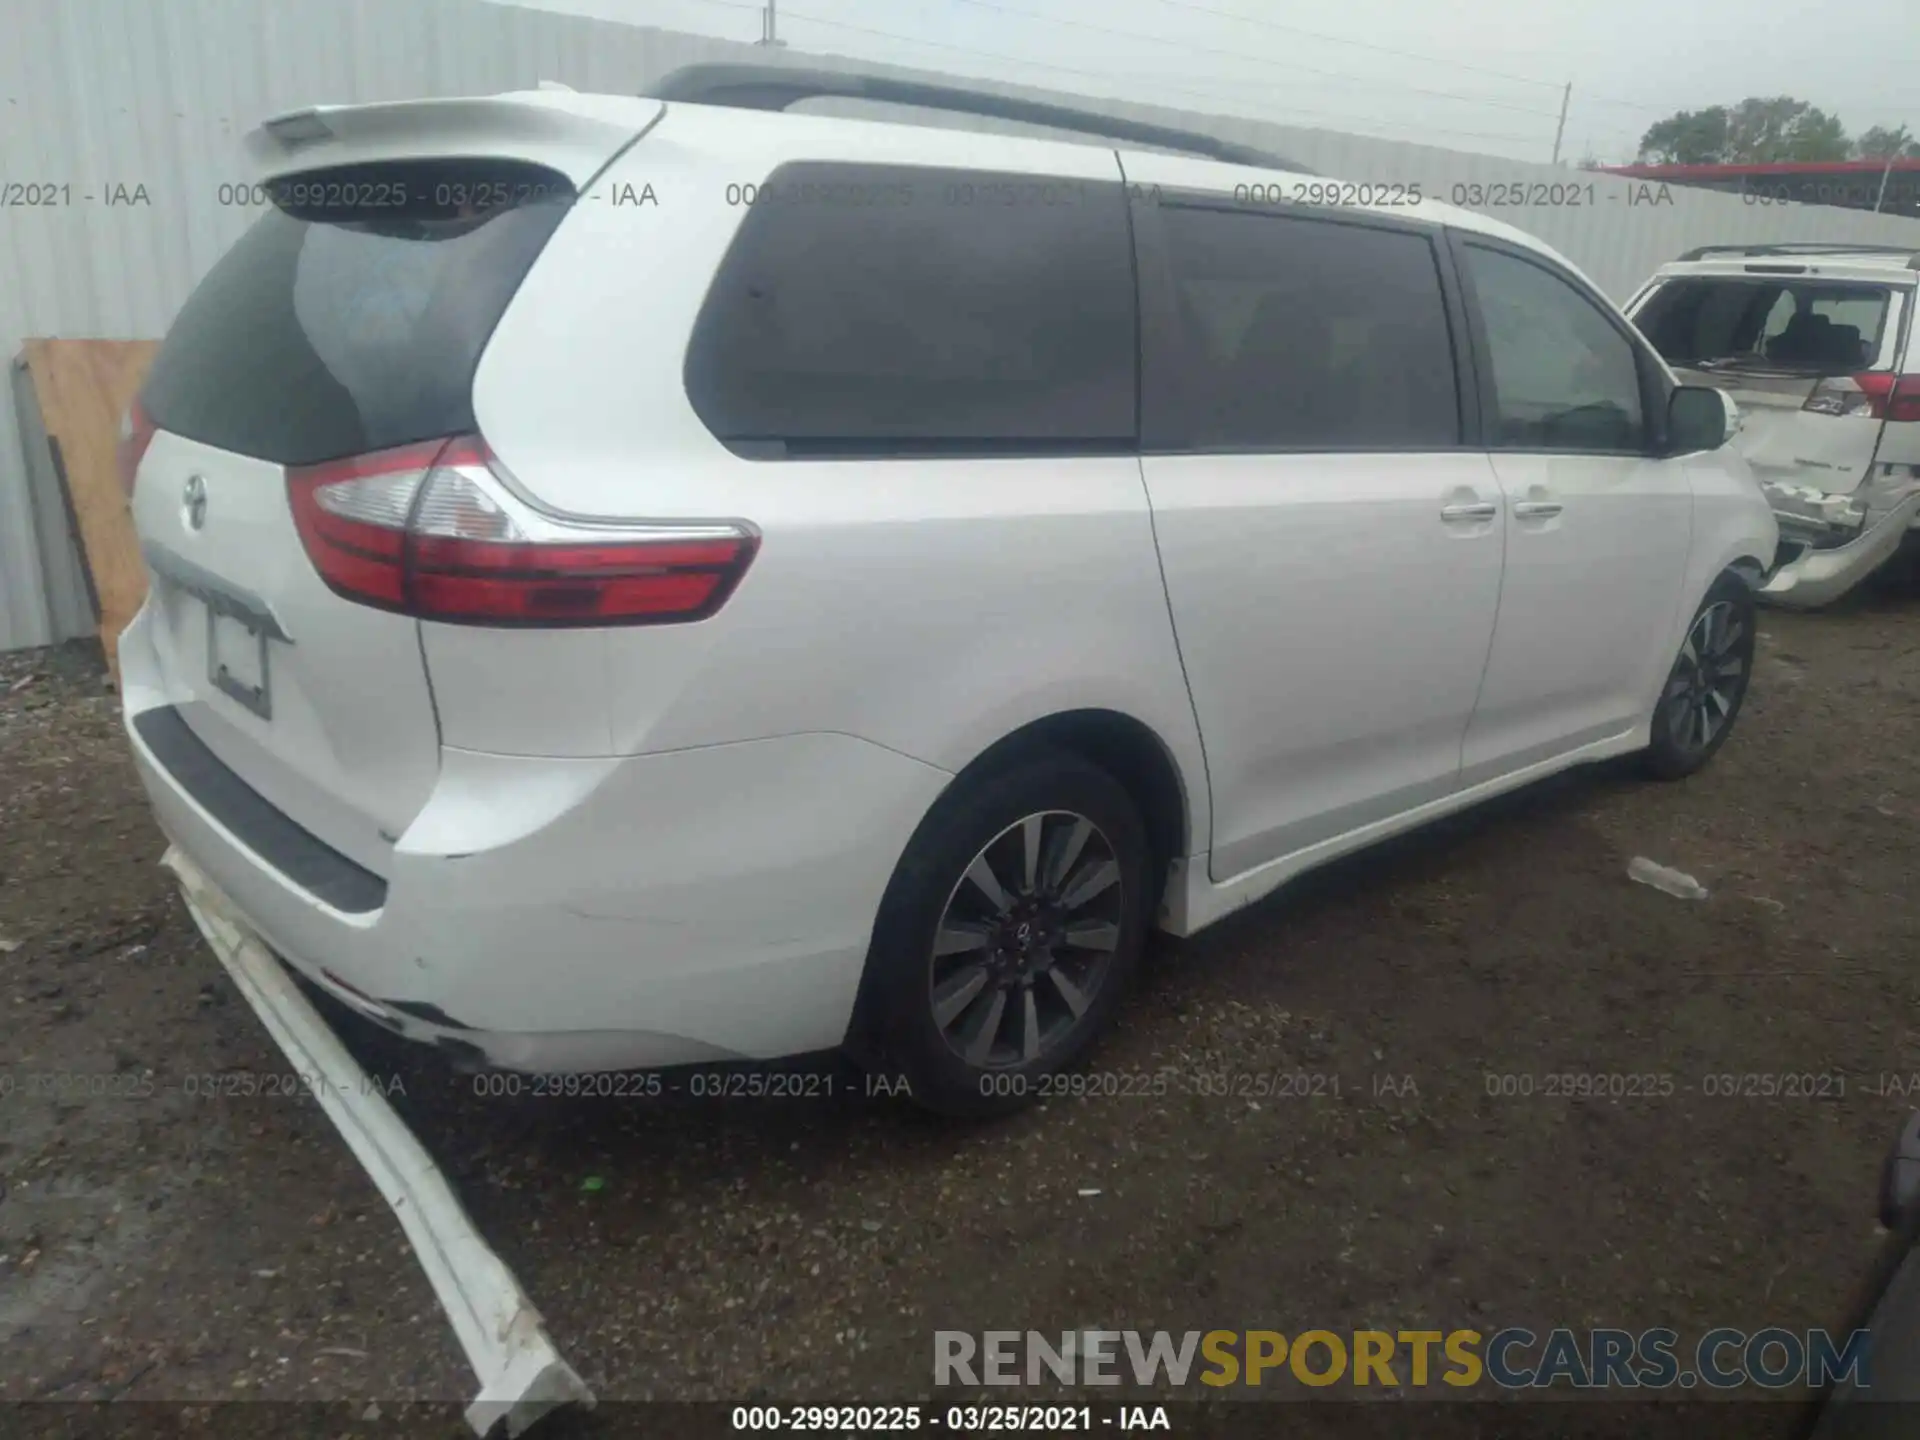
522, 1376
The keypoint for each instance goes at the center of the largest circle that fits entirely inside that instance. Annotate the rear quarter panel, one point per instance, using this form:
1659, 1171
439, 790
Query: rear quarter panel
931, 606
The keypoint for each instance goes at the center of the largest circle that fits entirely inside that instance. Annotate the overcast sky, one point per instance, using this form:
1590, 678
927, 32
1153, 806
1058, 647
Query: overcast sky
1481, 75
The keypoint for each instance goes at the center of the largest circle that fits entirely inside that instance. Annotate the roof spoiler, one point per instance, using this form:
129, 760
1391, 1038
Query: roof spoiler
573, 134
776, 87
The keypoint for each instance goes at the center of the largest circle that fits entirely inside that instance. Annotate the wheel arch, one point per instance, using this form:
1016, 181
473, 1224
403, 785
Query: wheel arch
1128, 749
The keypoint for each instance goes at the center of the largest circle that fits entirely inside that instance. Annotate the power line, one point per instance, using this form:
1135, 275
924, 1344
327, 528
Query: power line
1269, 109
1144, 80
1274, 25
1264, 107
1255, 59
1581, 95
1265, 24
1356, 44
1405, 54
1628, 104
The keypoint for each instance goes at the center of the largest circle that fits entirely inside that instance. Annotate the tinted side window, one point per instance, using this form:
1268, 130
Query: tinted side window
1563, 377
877, 310
1311, 335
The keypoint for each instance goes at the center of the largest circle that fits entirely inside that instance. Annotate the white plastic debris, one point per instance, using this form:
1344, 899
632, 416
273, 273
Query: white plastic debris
1674, 882
521, 1375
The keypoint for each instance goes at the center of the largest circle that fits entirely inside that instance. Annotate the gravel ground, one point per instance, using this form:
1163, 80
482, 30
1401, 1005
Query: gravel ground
159, 1244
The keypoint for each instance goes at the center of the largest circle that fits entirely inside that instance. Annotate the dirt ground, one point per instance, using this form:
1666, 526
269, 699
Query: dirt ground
160, 1244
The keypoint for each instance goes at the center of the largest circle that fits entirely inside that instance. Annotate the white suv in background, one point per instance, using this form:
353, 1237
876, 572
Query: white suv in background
644, 582
1816, 344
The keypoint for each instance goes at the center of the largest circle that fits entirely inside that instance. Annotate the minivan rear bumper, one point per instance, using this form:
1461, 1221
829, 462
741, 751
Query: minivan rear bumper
573, 915
1818, 577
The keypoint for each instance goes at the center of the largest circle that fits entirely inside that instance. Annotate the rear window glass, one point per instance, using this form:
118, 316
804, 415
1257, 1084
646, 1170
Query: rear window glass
1784, 324
874, 310
352, 316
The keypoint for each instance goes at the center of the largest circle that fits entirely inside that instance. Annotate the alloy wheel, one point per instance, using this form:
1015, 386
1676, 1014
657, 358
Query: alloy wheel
1707, 679
1026, 939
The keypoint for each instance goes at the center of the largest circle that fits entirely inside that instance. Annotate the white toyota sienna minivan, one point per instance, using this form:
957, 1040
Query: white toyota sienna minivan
647, 581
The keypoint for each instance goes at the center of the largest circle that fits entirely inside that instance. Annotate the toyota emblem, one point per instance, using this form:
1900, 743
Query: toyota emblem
194, 502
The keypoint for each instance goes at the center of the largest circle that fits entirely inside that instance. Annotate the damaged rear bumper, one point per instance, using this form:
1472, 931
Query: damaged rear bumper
1819, 576
521, 1375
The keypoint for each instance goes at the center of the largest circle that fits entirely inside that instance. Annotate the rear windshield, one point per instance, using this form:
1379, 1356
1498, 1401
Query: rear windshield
1775, 324
352, 316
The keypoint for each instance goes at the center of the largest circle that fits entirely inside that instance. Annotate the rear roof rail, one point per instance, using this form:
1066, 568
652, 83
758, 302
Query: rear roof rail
776, 87
1807, 247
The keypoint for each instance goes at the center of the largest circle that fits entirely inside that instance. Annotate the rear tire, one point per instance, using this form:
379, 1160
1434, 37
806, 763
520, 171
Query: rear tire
1008, 934
1701, 696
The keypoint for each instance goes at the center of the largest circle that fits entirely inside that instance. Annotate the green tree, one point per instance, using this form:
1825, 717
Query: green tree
1758, 130
1882, 143
1691, 137
1782, 128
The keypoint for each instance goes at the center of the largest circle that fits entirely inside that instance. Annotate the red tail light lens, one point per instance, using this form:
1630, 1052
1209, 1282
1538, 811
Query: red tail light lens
136, 434
1903, 397
1878, 395
425, 530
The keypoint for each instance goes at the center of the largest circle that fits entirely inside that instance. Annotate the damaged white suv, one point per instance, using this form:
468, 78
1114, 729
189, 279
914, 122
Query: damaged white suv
1816, 345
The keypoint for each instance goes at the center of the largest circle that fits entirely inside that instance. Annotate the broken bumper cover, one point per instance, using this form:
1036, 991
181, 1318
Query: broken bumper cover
521, 1375
1817, 577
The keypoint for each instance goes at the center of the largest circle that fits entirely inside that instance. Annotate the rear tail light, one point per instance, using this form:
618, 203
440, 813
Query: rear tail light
136, 434
428, 530
1878, 395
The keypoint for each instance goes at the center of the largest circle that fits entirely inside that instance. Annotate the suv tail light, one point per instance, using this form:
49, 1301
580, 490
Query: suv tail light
136, 434
1876, 394
428, 530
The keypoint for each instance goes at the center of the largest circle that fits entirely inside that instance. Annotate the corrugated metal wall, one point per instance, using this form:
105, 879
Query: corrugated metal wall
116, 99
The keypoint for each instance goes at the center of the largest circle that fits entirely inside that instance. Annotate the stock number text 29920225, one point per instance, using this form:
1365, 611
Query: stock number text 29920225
1327, 192
953, 1419
694, 1084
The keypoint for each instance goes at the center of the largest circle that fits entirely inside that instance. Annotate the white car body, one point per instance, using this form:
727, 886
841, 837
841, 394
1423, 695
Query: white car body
597, 848
1833, 435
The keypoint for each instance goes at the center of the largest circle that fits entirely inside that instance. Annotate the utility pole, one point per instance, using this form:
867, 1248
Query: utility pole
1885, 175
769, 32
1558, 130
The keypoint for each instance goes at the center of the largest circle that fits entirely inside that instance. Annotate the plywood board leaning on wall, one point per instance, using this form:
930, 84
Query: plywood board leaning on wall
83, 388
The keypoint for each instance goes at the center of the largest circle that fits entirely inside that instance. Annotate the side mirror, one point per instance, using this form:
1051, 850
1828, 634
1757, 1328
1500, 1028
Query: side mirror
1699, 418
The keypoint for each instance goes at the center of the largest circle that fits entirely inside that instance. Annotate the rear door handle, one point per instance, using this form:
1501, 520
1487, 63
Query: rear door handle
1478, 510
1536, 509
